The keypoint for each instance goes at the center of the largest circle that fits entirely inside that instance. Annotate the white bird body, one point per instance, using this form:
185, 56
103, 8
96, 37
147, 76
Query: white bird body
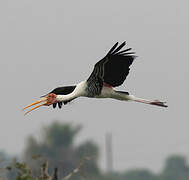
106, 92
109, 72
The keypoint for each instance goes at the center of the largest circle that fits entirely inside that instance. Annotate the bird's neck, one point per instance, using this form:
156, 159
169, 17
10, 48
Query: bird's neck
80, 90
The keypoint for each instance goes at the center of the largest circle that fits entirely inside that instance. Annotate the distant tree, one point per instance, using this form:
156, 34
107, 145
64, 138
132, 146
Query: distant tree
5, 160
89, 149
139, 174
57, 146
175, 168
113, 176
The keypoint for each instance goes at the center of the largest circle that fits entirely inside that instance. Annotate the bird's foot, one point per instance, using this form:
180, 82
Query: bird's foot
158, 103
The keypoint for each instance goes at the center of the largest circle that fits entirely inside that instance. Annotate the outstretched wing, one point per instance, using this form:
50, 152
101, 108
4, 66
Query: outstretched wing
113, 68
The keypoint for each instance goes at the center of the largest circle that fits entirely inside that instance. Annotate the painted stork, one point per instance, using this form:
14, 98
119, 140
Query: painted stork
109, 72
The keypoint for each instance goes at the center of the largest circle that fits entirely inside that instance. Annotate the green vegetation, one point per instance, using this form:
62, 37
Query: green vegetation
56, 157
58, 148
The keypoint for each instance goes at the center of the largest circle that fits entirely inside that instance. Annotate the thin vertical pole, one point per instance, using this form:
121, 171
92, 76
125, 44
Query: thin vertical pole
109, 153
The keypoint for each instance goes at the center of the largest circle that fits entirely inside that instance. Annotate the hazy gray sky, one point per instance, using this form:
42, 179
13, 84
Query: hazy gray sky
45, 44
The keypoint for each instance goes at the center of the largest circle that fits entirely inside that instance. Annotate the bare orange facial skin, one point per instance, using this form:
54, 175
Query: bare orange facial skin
44, 101
51, 98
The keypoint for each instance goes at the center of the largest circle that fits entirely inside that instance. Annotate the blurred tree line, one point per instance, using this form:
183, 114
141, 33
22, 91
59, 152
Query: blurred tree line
57, 147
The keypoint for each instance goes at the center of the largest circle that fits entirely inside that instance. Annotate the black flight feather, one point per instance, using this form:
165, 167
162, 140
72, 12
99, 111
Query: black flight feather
123, 52
63, 90
113, 68
123, 44
54, 105
113, 48
60, 105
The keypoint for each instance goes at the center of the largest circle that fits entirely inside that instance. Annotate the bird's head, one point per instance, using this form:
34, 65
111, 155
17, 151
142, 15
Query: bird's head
51, 98
47, 100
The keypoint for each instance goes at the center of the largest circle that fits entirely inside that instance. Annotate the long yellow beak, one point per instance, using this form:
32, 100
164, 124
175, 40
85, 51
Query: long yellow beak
41, 102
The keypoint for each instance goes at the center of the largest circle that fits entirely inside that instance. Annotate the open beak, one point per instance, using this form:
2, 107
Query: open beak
42, 101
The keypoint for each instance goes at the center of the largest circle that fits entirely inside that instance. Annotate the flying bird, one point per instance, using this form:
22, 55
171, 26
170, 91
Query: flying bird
108, 73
